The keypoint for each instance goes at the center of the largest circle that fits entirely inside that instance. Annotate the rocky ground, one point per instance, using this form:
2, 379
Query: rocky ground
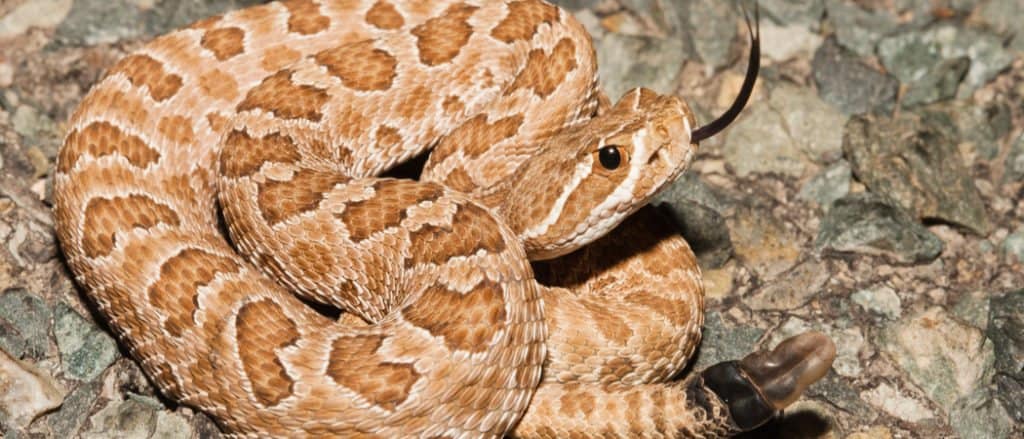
873, 190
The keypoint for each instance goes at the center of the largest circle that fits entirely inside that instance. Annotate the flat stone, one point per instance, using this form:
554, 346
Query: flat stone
978, 416
858, 29
880, 300
627, 62
762, 242
977, 128
66, 421
44, 14
171, 425
871, 224
722, 342
791, 290
947, 359
1015, 161
759, 143
26, 392
913, 160
896, 403
24, 324
1006, 330
85, 350
803, 12
788, 41
828, 186
1003, 16
848, 83
938, 84
712, 24
92, 22
704, 229
1013, 245
810, 122
130, 418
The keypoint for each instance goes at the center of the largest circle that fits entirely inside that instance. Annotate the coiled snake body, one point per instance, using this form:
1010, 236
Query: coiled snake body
285, 115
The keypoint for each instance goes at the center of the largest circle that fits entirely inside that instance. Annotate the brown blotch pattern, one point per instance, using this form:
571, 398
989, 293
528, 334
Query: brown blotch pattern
180, 276
387, 137
243, 154
611, 326
386, 208
676, 311
219, 85
467, 321
314, 260
460, 180
360, 66
177, 129
524, 17
106, 216
305, 17
440, 39
144, 71
263, 328
576, 403
277, 57
543, 73
224, 42
103, 138
278, 94
452, 104
354, 364
280, 200
383, 15
472, 229
477, 136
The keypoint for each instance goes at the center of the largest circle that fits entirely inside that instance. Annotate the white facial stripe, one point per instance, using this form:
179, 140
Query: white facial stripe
583, 169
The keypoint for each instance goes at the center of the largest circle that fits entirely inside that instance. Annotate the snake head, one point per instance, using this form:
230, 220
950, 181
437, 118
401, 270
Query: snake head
584, 181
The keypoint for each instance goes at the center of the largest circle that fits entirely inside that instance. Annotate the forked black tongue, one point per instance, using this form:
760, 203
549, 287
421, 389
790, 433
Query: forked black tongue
753, 66
757, 387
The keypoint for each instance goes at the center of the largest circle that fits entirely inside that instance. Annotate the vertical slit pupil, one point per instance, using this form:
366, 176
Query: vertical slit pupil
610, 157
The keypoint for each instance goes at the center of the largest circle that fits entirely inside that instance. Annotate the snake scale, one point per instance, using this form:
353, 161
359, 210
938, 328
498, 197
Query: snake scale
279, 123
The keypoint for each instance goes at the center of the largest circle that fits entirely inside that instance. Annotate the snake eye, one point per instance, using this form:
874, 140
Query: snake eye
610, 157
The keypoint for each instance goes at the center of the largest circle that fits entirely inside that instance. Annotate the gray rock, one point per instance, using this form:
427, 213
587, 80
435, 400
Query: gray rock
712, 24
689, 187
626, 62
938, 84
910, 55
35, 128
978, 126
759, 143
1003, 16
93, 22
1013, 245
881, 300
914, 161
851, 85
168, 15
792, 290
897, 403
828, 186
871, 224
947, 359
978, 416
810, 122
704, 229
24, 324
788, 41
1015, 161
85, 350
721, 342
66, 421
1006, 330
858, 29
43, 14
787, 12
130, 418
